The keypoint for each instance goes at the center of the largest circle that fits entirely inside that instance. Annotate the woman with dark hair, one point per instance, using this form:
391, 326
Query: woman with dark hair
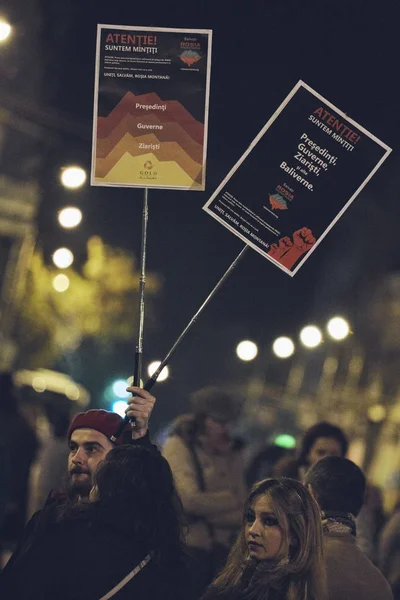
126, 541
278, 553
320, 440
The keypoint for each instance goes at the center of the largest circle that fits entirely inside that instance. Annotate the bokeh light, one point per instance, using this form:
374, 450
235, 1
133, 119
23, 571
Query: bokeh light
119, 407
119, 388
69, 217
283, 347
285, 440
152, 368
5, 30
60, 282
246, 350
310, 336
377, 413
338, 328
63, 258
73, 177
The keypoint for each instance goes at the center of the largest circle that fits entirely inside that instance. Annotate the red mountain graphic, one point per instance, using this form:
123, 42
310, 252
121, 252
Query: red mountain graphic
175, 111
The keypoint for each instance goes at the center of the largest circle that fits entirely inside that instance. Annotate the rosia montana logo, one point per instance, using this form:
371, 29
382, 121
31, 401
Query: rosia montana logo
189, 57
277, 202
148, 165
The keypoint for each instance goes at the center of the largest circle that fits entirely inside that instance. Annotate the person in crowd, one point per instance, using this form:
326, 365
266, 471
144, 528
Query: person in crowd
126, 540
89, 439
21, 446
338, 485
322, 439
209, 473
278, 553
389, 550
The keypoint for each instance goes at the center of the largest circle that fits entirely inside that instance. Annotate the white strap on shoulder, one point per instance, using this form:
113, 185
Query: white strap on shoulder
126, 579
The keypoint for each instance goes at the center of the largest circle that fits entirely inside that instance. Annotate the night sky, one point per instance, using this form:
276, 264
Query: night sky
349, 53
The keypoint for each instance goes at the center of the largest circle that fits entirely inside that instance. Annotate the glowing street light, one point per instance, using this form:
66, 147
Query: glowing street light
119, 407
60, 282
73, 177
5, 30
152, 368
283, 347
310, 336
246, 350
63, 258
69, 217
338, 328
119, 388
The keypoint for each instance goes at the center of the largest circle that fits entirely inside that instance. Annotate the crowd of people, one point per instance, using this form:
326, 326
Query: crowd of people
181, 523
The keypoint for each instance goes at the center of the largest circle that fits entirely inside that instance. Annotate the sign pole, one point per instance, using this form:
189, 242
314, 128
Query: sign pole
137, 372
149, 384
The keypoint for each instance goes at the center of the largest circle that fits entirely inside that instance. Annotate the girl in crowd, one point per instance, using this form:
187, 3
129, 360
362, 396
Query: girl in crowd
126, 541
278, 554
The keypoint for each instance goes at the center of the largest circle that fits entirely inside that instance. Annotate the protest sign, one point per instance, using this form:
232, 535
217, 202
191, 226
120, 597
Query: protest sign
297, 178
151, 107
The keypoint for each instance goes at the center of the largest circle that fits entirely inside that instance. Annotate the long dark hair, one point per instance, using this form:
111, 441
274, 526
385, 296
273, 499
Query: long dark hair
298, 573
138, 483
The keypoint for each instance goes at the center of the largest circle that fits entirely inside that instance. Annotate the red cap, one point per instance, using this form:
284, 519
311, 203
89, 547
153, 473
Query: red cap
100, 420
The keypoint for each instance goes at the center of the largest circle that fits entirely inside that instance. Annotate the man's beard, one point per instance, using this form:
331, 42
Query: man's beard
79, 489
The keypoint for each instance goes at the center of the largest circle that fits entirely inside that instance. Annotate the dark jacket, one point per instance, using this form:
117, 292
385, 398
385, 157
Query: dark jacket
57, 499
84, 555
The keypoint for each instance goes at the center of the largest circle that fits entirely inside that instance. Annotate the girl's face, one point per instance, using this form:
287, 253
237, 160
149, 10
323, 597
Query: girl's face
264, 536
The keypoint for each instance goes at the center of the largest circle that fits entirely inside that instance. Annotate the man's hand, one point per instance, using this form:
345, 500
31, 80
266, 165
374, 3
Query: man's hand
140, 407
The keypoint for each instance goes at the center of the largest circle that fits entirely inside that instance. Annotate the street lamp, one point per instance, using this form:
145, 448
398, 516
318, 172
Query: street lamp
246, 350
63, 258
338, 328
152, 368
5, 30
60, 282
73, 177
69, 217
283, 347
310, 336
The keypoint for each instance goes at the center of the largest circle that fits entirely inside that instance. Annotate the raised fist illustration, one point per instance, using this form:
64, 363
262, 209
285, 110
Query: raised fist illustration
274, 251
278, 250
303, 239
285, 243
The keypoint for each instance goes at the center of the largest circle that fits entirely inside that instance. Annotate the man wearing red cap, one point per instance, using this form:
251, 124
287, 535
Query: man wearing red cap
89, 439
91, 435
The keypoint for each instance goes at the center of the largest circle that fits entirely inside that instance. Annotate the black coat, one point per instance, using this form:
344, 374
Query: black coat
82, 557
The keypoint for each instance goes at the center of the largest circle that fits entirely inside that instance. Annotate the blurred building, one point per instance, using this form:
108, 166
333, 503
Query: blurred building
21, 140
